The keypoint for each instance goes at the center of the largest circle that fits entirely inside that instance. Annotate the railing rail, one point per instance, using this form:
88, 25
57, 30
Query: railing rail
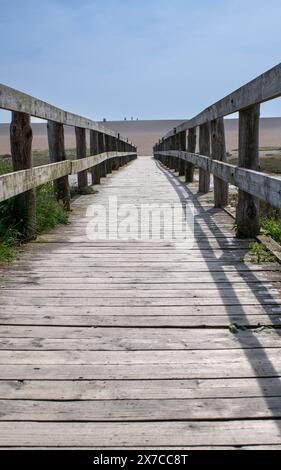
14, 100
108, 151
264, 187
263, 88
18, 182
177, 151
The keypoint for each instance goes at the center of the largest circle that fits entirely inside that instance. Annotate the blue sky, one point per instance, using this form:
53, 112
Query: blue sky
143, 58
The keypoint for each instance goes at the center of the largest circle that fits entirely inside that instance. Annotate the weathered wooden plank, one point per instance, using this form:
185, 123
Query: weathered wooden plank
173, 321
146, 320
141, 410
77, 301
235, 256
248, 293
230, 311
15, 183
131, 339
93, 160
143, 269
130, 434
266, 357
80, 284
18, 182
134, 389
240, 368
152, 279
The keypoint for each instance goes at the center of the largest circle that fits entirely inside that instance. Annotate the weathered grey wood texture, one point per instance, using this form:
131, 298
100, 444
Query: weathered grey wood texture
18, 182
57, 154
247, 211
204, 149
126, 344
191, 147
219, 153
81, 153
21, 152
264, 187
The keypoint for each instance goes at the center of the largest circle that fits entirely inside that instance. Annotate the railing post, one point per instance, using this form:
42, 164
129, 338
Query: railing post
101, 145
57, 154
120, 149
114, 149
81, 152
21, 151
118, 162
191, 148
94, 150
169, 147
175, 147
107, 139
171, 159
204, 149
219, 153
182, 147
247, 211
126, 150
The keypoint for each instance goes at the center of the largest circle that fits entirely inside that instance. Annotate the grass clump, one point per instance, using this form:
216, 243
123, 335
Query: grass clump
9, 231
260, 254
75, 191
8, 248
272, 228
49, 212
234, 328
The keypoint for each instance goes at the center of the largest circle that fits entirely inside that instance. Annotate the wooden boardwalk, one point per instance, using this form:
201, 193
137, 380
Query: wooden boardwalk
127, 344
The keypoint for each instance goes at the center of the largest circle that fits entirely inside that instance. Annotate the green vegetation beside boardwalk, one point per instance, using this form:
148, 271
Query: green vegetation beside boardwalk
260, 254
272, 227
49, 213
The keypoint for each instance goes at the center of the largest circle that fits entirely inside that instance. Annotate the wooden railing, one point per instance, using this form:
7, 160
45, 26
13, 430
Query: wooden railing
177, 149
108, 151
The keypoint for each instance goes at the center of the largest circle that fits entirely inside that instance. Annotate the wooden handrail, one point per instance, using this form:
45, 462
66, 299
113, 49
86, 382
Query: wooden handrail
212, 159
108, 151
264, 187
18, 182
263, 88
14, 100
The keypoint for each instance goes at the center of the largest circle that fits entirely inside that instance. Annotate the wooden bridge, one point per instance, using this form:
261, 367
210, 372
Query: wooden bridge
129, 343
